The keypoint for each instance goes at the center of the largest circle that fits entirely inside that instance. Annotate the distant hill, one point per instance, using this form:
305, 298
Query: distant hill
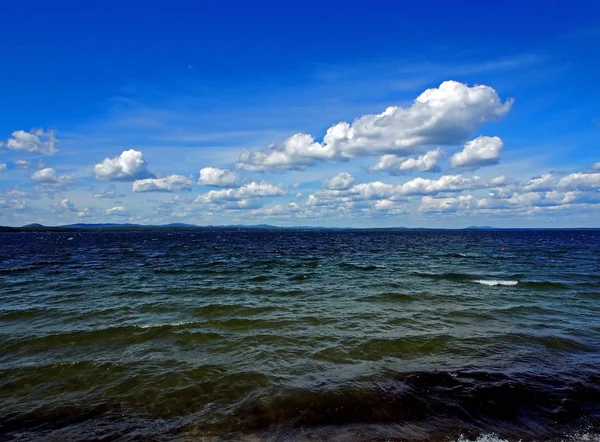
36, 227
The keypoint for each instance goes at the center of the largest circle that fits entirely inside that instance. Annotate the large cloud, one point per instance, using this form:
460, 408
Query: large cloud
245, 192
129, 166
171, 183
482, 151
215, 177
395, 165
378, 190
580, 181
36, 141
446, 115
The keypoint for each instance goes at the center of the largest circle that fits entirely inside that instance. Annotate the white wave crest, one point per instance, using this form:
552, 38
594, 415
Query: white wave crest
495, 282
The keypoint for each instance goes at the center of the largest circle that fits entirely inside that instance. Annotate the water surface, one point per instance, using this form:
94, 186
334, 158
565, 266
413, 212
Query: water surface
293, 335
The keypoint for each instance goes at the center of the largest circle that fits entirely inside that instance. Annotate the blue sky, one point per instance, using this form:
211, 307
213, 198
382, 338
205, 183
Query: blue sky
433, 114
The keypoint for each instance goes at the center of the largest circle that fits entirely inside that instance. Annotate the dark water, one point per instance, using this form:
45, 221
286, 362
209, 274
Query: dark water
294, 335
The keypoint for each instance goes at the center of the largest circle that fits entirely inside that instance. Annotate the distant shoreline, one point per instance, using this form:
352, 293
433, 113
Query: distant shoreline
266, 227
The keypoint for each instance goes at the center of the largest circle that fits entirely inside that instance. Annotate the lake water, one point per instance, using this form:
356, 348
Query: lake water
233, 334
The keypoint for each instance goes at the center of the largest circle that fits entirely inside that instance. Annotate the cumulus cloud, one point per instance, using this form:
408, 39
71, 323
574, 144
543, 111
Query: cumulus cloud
247, 191
580, 181
389, 207
35, 141
341, 181
446, 183
22, 164
296, 153
596, 166
378, 190
88, 212
215, 177
279, 211
2, 166
49, 179
117, 211
171, 183
452, 204
129, 166
445, 115
541, 183
65, 205
14, 193
482, 151
109, 193
13, 204
395, 165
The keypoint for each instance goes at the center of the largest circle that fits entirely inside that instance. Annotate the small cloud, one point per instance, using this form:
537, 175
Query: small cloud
482, 151
117, 211
215, 177
64, 205
341, 181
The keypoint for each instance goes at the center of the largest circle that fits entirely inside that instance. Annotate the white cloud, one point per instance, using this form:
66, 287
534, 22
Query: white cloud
245, 192
117, 210
50, 180
279, 211
596, 166
171, 183
129, 166
395, 165
341, 181
446, 183
389, 207
542, 183
35, 141
445, 116
429, 204
580, 181
13, 204
65, 205
482, 151
88, 212
378, 190
109, 193
215, 177
2, 166
499, 181
15, 193
22, 164
296, 153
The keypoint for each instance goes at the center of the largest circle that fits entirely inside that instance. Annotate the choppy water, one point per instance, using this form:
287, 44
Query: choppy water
294, 335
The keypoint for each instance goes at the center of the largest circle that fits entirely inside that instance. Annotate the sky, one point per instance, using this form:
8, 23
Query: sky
313, 113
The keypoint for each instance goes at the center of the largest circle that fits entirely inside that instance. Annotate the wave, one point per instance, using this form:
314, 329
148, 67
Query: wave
494, 282
390, 297
360, 267
174, 400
